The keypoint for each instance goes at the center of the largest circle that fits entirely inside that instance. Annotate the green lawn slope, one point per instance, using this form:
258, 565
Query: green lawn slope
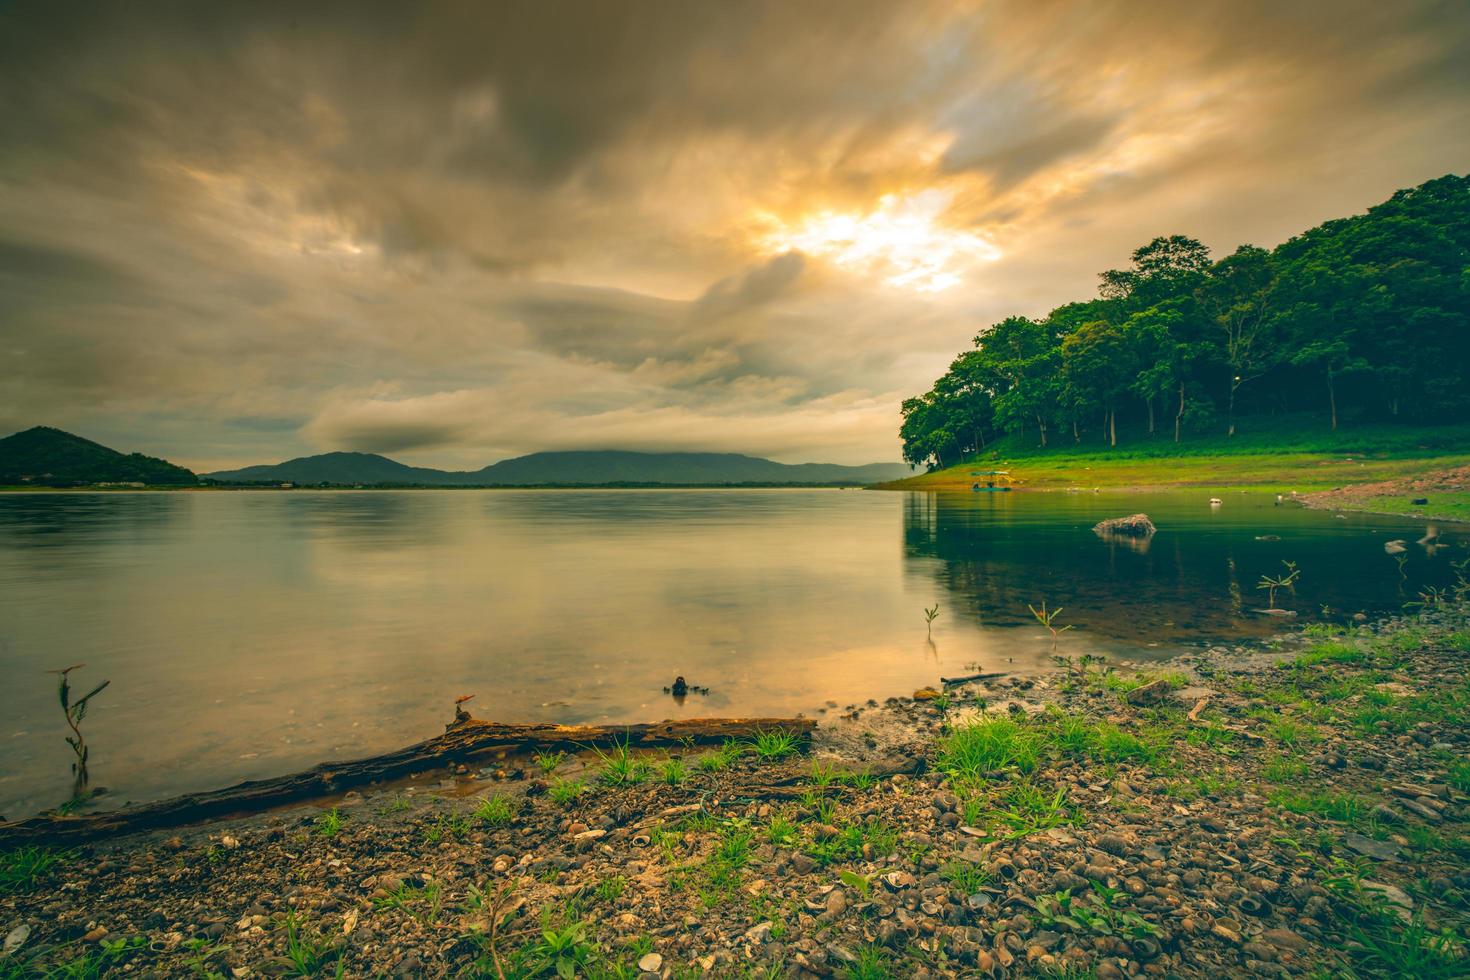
1280, 454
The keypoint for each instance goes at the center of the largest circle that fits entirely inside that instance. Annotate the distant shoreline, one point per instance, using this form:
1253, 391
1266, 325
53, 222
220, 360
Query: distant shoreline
264, 488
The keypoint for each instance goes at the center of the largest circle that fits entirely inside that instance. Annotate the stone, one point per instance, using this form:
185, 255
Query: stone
926, 694
836, 903
1395, 900
1284, 939
14, 939
1134, 525
1381, 850
651, 963
1151, 693
1428, 813
759, 933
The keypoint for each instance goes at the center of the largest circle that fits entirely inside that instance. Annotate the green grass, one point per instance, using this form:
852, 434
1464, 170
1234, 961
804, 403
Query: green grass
610, 889
1459, 776
1334, 806
446, 827
329, 824
549, 762
1267, 453
987, 746
620, 767
773, 746
1445, 505
495, 811
964, 875
565, 791
781, 831
311, 954
721, 758
1332, 652
21, 869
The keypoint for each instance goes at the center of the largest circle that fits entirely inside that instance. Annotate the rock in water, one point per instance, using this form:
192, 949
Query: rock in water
1135, 526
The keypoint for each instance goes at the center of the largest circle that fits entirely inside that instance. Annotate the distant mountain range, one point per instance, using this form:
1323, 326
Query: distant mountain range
563, 469
50, 457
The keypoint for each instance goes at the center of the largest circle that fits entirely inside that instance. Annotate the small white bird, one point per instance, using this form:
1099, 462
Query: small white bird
1216, 501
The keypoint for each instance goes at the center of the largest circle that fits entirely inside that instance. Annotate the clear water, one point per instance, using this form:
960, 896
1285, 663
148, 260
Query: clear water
248, 634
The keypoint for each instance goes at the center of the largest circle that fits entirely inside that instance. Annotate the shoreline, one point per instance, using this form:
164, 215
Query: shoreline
1238, 810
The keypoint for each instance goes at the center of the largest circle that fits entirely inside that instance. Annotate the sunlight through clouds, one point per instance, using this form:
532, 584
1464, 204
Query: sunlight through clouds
903, 240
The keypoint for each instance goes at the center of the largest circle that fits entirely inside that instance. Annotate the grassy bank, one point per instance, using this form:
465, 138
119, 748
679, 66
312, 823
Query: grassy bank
1287, 454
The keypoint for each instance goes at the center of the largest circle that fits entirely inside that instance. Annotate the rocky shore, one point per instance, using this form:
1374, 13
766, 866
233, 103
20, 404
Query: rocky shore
1297, 811
1432, 494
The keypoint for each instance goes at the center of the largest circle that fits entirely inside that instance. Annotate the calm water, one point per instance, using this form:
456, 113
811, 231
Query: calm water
247, 634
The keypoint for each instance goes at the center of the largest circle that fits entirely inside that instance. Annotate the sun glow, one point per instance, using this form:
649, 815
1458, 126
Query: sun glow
901, 240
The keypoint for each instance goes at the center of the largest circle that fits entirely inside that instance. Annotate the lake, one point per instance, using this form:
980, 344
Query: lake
251, 633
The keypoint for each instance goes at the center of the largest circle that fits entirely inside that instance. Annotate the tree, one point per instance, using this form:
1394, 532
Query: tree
1239, 293
1372, 311
1098, 365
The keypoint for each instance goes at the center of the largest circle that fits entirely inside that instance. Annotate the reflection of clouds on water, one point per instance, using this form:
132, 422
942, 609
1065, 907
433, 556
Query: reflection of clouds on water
251, 633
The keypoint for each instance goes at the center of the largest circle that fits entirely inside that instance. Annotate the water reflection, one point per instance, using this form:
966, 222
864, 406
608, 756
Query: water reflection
1194, 580
249, 633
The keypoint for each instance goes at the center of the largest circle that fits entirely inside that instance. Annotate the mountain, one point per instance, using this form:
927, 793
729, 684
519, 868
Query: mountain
338, 468
51, 457
565, 468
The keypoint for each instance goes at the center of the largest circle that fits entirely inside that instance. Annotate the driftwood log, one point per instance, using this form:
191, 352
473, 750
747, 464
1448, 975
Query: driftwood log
461, 742
966, 678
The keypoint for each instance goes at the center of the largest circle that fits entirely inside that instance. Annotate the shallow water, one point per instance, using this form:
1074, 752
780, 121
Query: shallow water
247, 634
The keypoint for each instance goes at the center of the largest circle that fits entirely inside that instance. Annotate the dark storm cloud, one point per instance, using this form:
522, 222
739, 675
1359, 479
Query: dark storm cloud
751, 289
479, 228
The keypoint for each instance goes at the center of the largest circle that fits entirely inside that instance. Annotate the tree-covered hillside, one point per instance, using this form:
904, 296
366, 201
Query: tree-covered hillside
1362, 318
50, 457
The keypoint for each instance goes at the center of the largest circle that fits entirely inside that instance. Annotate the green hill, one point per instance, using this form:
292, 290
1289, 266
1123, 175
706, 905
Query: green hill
565, 469
338, 469
50, 457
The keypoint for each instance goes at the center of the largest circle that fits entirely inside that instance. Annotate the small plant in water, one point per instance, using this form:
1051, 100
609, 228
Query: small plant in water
930, 615
1049, 620
75, 711
1286, 580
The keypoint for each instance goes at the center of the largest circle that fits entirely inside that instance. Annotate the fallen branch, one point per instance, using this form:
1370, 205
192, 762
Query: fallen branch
970, 677
461, 742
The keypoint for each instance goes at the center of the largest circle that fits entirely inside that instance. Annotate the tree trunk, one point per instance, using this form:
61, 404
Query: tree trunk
1041, 425
1150, 400
1332, 398
1113, 427
462, 741
1179, 418
1230, 410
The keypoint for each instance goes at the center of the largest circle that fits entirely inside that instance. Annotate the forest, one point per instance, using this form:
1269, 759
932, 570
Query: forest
1361, 319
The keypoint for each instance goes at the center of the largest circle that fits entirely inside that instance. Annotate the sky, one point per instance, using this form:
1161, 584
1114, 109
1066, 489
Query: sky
457, 232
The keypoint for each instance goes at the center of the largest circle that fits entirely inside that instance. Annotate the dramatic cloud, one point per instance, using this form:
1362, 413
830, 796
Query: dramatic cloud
457, 231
